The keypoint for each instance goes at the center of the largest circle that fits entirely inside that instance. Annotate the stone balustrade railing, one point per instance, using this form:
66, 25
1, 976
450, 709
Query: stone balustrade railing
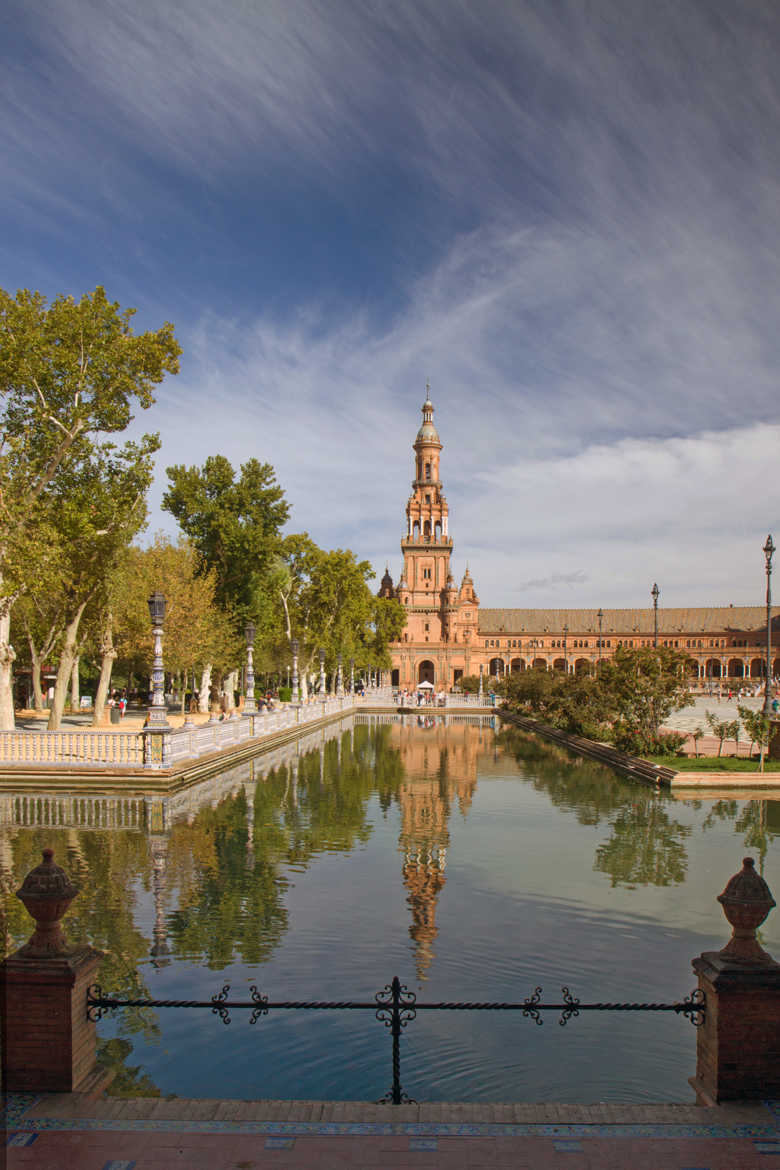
159, 748
123, 748
162, 748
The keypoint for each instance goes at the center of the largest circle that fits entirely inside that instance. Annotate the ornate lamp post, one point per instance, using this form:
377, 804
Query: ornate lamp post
339, 676
352, 676
600, 616
157, 712
294, 648
565, 656
250, 708
322, 674
769, 549
480, 680
654, 593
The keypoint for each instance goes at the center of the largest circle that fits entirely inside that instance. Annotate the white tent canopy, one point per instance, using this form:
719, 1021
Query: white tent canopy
425, 686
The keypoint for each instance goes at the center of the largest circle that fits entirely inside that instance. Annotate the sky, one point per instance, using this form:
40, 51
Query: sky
565, 214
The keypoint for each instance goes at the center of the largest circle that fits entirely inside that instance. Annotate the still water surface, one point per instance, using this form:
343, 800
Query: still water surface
474, 863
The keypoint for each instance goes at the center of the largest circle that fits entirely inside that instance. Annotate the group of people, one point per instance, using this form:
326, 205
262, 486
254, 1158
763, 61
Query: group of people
422, 697
118, 699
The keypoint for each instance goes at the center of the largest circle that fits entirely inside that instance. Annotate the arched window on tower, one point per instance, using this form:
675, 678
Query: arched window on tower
427, 471
427, 529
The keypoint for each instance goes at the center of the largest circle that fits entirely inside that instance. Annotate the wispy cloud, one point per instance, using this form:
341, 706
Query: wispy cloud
578, 577
573, 229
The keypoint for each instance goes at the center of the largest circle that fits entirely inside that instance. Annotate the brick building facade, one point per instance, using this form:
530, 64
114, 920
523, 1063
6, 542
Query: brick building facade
448, 634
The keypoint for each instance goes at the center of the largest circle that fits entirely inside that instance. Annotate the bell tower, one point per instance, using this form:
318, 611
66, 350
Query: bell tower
426, 583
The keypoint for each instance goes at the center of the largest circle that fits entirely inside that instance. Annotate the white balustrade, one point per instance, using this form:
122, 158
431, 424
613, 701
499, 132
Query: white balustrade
72, 747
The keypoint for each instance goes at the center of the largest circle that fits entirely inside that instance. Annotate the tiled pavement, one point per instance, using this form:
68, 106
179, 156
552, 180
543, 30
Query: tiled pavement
69, 1132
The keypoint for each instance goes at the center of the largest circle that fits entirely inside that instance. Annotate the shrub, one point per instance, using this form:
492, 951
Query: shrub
285, 694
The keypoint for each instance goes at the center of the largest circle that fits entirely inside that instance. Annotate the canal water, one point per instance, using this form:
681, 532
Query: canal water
473, 862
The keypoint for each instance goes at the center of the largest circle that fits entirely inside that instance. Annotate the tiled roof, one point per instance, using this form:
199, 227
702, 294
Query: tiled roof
701, 620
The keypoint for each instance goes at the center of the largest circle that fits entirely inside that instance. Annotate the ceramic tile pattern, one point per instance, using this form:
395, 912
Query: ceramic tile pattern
54, 1131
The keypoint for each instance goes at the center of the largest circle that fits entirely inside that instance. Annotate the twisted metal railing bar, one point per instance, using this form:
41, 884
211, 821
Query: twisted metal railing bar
395, 1006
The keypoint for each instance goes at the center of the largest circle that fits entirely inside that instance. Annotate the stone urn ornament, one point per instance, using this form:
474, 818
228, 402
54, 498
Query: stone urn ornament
746, 902
46, 892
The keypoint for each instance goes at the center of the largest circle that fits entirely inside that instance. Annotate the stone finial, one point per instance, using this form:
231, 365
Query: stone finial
746, 902
46, 892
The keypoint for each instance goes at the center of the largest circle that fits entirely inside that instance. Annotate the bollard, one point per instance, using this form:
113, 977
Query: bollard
738, 1045
48, 1044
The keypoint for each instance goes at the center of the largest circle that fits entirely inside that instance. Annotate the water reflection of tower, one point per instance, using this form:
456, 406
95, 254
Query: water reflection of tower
439, 766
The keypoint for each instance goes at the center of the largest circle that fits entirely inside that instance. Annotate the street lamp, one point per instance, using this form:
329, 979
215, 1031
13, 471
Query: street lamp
339, 678
322, 675
352, 676
157, 712
250, 707
565, 659
480, 679
600, 616
769, 549
294, 648
654, 592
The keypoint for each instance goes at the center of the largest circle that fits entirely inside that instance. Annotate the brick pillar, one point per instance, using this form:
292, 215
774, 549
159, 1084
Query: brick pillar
738, 1045
48, 1043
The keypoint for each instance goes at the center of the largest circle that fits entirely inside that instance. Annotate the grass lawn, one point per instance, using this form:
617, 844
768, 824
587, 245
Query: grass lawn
713, 763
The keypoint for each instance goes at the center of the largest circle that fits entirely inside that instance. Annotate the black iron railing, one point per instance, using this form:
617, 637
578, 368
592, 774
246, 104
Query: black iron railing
395, 1006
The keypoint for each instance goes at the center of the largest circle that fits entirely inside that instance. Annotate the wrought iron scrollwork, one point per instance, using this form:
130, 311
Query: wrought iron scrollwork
262, 1004
694, 1007
94, 1011
571, 1009
396, 1009
396, 999
529, 1006
218, 1001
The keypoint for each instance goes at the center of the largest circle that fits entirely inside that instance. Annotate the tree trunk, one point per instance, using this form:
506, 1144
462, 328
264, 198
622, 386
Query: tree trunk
75, 689
67, 658
205, 687
183, 678
7, 656
36, 661
106, 666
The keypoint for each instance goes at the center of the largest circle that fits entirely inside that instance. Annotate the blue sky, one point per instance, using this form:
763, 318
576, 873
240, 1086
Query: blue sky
565, 214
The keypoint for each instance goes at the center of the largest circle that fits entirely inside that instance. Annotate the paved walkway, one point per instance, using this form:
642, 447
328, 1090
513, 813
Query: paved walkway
690, 718
72, 1132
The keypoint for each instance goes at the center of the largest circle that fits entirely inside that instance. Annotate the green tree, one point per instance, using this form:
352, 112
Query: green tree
97, 510
70, 372
722, 728
197, 630
643, 687
326, 603
234, 522
757, 727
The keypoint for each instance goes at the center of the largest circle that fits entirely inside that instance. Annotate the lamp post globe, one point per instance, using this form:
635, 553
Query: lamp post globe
769, 549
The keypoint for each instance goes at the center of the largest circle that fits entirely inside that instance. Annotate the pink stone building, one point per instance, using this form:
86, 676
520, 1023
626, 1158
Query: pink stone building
448, 635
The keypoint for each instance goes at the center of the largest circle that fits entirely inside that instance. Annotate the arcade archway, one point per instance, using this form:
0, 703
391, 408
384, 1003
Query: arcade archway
426, 672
